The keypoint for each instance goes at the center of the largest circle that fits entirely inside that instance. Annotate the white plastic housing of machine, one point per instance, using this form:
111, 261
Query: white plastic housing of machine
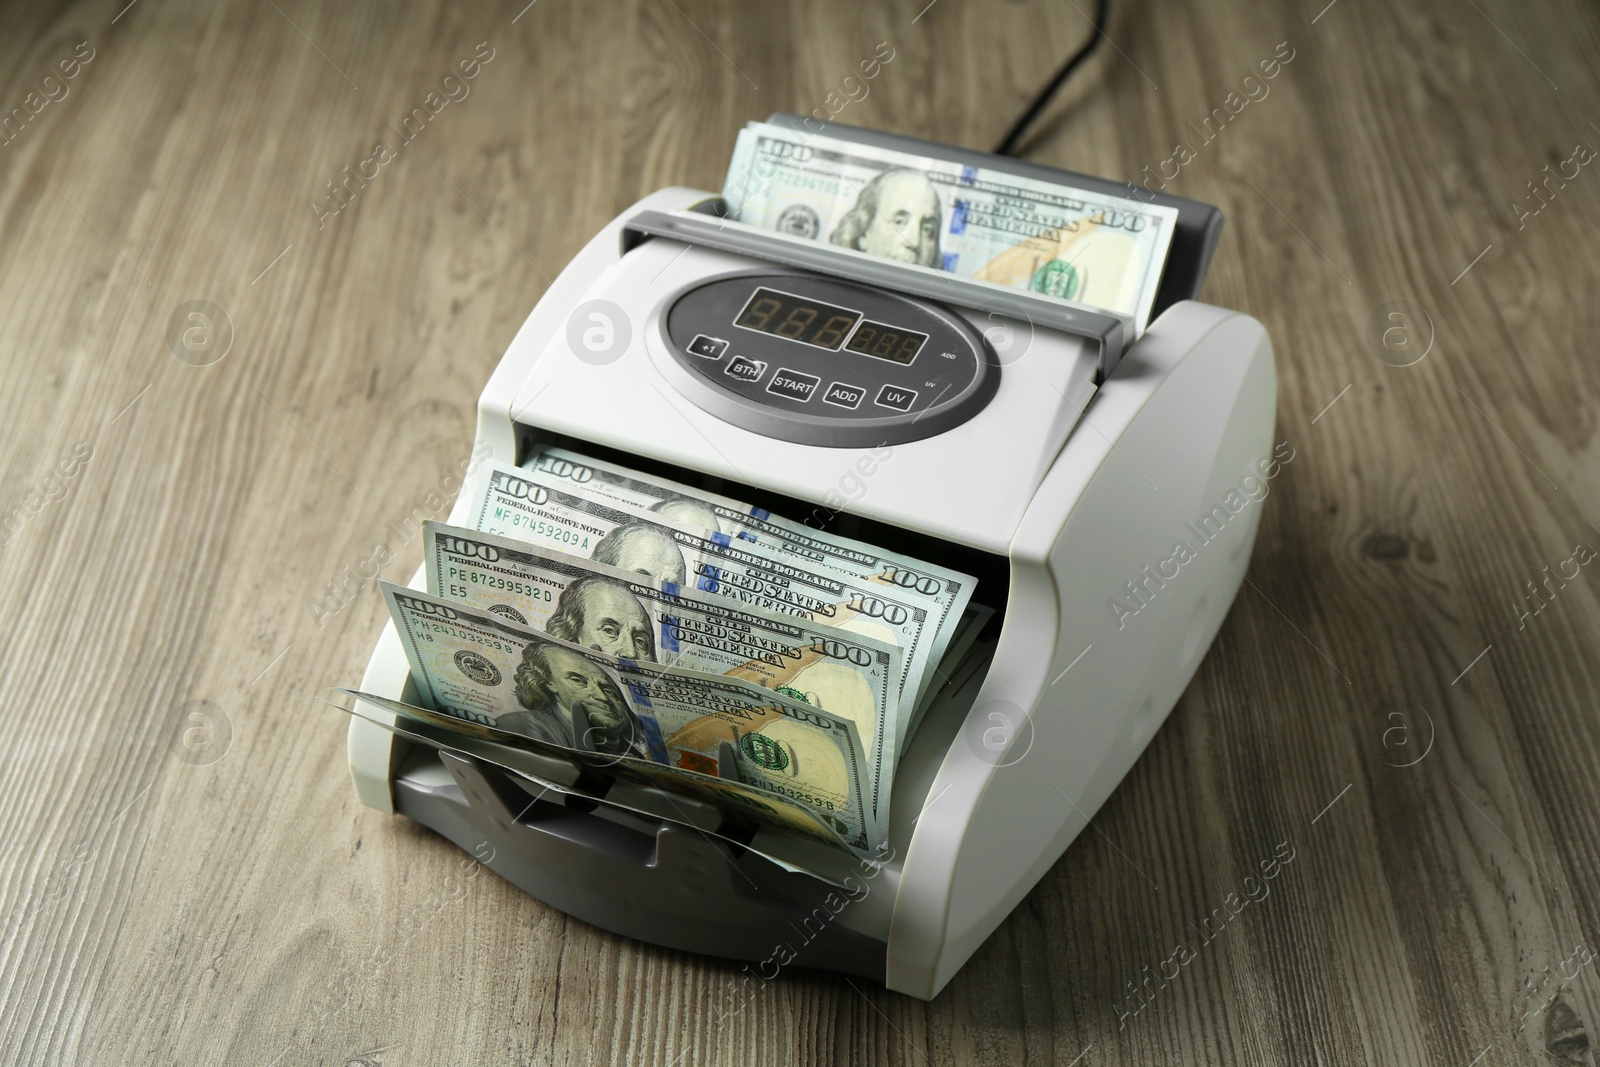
1066, 491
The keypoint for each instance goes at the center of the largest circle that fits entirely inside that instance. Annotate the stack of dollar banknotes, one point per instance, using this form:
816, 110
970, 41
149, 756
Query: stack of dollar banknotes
680, 640
984, 223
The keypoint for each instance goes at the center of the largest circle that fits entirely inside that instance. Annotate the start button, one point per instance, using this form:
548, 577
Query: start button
794, 386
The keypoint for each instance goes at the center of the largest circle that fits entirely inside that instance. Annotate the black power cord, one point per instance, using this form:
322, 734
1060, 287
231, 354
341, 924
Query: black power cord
1008, 145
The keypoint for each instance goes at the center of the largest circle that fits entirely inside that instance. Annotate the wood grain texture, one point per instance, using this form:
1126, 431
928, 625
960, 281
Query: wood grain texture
249, 911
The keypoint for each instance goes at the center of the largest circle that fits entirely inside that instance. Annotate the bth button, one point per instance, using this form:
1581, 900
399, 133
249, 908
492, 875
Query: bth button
893, 396
746, 370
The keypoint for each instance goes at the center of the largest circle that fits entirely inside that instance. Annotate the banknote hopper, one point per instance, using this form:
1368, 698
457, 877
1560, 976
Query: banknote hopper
1034, 443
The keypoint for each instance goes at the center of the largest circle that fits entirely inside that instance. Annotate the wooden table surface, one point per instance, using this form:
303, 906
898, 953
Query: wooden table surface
1405, 692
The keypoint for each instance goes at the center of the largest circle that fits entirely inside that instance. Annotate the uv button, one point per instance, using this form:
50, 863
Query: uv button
893, 396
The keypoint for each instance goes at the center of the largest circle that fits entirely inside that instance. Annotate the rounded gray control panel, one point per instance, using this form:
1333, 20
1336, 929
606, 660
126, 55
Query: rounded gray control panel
818, 361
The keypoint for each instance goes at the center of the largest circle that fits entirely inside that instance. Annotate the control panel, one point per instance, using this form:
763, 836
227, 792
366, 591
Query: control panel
817, 360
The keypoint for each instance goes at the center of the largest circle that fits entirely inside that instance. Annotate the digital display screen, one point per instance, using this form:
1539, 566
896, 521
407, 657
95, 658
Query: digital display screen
887, 342
810, 322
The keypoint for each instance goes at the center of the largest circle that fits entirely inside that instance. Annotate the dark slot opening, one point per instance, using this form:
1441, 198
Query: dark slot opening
992, 572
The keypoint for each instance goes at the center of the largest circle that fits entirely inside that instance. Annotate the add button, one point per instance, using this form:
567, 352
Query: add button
844, 395
892, 396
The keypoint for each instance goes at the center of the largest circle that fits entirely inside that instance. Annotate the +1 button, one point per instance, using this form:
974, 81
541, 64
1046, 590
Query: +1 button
709, 347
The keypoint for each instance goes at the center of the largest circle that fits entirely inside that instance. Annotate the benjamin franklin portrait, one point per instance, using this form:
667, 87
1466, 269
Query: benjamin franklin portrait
688, 513
643, 549
559, 686
896, 216
601, 614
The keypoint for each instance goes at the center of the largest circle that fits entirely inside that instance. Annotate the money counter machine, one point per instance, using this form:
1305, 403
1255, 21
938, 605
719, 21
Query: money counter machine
1032, 442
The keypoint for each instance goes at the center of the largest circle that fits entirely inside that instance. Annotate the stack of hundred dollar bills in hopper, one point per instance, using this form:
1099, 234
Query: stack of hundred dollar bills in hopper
700, 646
987, 224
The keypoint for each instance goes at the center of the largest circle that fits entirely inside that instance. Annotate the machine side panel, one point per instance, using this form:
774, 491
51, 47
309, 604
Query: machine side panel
1191, 412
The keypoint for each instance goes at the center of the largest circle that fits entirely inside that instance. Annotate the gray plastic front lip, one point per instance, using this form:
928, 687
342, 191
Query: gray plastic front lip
806, 429
1107, 331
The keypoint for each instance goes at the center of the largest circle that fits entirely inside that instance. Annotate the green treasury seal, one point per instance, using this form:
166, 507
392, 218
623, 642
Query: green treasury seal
1057, 278
764, 752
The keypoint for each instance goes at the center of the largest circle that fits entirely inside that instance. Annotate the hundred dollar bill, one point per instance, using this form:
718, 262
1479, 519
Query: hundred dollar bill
1093, 248
945, 592
629, 616
799, 831
482, 668
538, 509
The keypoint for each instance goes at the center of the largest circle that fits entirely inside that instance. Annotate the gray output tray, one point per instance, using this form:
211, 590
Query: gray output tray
665, 884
